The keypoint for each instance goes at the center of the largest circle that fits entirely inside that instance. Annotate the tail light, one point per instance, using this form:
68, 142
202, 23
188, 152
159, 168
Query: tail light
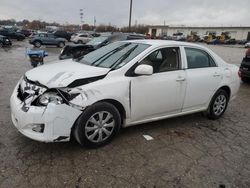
239, 73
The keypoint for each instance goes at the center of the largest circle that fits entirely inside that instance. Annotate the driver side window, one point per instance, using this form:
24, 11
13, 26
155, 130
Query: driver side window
163, 60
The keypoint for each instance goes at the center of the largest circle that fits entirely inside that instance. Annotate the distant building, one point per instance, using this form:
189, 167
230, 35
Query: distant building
51, 28
238, 33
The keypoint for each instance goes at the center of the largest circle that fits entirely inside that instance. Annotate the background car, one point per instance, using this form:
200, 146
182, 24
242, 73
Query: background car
5, 41
47, 39
63, 34
244, 71
76, 51
230, 41
26, 33
12, 34
247, 45
214, 42
81, 38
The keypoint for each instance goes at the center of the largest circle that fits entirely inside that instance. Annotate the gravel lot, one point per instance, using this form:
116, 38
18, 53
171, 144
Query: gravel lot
189, 151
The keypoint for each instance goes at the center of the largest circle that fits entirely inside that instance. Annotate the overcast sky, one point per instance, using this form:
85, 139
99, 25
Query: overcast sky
116, 12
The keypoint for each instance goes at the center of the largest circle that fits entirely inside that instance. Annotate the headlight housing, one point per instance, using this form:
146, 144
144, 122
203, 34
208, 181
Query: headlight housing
50, 97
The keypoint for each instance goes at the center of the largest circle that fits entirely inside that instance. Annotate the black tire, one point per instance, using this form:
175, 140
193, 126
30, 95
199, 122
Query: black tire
79, 42
33, 64
1, 44
61, 44
85, 120
213, 112
37, 44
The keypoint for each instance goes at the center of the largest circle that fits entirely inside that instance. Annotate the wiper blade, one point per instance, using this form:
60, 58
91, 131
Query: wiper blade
122, 58
106, 56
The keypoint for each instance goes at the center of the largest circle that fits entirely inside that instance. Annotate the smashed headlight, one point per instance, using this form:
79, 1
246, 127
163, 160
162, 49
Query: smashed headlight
50, 97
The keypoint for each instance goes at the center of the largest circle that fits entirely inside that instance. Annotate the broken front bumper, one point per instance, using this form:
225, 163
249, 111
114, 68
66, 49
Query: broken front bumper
46, 124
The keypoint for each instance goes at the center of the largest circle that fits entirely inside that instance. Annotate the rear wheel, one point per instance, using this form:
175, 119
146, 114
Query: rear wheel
97, 125
218, 104
1, 44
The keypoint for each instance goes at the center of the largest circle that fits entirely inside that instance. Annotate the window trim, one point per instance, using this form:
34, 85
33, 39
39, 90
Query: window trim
210, 57
130, 71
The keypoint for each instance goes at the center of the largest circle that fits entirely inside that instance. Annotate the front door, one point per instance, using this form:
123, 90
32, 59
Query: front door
161, 93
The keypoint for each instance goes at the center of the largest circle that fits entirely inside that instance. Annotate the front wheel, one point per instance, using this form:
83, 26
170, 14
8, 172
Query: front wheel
34, 64
79, 42
218, 104
97, 125
61, 44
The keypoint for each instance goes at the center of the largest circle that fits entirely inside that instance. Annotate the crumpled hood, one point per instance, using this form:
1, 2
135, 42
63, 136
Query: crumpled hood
62, 73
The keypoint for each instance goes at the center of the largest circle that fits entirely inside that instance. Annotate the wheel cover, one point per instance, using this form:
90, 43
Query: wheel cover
99, 127
219, 105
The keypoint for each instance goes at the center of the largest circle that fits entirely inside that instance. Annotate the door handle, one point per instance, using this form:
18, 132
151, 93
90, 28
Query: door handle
180, 79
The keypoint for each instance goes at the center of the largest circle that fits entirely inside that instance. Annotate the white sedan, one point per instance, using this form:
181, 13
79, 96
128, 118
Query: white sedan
81, 38
119, 85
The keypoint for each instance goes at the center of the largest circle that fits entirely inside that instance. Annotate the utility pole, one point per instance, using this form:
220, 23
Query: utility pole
94, 23
130, 15
81, 17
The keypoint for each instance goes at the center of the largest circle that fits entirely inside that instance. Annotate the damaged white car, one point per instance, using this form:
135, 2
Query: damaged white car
119, 85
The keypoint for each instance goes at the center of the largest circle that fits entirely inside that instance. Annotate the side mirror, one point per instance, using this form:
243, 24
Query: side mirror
144, 70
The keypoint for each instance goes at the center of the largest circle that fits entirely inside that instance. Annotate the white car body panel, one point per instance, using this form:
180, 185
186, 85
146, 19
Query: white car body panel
160, 90
198, 94
64, 72
144, 98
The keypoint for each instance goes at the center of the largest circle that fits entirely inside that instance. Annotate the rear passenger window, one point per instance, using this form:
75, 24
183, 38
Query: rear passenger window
198, 59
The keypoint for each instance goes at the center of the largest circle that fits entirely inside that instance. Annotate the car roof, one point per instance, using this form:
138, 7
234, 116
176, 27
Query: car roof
165, 43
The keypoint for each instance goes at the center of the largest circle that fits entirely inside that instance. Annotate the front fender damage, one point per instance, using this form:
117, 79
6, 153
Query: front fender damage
81, 98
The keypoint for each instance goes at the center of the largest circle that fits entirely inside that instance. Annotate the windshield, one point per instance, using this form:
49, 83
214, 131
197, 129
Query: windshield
97, 40
114, 55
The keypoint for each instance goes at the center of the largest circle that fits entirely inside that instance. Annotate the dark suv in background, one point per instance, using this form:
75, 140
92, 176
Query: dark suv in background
26, 33
5, 41
244, 71
63, 34
12, 34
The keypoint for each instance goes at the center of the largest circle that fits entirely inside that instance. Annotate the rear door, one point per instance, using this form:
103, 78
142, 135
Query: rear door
203, 78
